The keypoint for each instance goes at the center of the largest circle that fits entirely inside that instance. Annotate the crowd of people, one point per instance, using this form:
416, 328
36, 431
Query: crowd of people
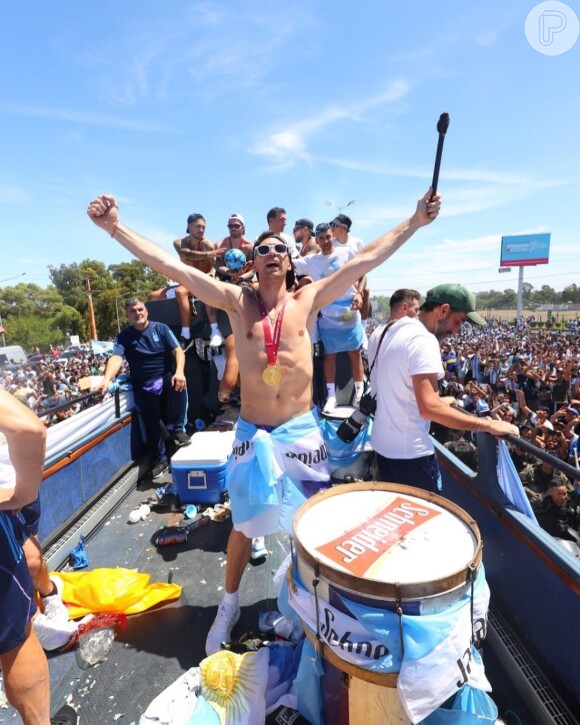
49, 381
529, 378
267, 306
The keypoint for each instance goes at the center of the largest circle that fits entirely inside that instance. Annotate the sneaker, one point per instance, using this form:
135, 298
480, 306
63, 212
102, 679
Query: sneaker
216, 340
259, 550
330, 404
159, 469
52, 633
53, 606
221, 629
67, 715
181, 438
185, 343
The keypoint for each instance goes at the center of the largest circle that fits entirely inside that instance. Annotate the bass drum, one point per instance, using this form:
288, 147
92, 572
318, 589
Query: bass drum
386, 546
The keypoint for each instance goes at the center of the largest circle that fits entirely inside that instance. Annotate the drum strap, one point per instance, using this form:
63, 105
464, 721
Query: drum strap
472, 583
315, 583
399, 610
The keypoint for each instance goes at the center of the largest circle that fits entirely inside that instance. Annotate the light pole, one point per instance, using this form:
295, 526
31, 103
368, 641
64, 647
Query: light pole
117, 298
13, 277
117, 311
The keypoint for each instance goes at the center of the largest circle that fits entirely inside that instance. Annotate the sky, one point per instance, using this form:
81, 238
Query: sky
231, 106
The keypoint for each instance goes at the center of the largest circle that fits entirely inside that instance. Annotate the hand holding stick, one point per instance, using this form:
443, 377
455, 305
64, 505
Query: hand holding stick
442, 126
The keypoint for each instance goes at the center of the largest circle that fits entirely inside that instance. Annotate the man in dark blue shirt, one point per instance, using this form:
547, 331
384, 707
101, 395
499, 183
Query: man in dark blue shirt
156, 365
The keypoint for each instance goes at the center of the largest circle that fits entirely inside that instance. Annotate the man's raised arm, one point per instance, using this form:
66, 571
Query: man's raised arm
104, 212
375, 253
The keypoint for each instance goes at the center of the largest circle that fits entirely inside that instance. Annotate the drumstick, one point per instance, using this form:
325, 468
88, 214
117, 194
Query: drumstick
442, 126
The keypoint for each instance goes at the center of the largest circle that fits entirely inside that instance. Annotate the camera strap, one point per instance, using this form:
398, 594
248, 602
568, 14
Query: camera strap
383, 333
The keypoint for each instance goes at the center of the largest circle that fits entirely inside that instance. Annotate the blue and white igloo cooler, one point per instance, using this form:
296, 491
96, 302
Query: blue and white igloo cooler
199, 469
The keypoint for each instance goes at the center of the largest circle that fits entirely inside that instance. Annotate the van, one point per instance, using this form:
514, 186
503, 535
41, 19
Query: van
12, 354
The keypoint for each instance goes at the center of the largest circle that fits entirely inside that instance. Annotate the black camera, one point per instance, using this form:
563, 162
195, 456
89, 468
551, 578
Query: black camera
351, 427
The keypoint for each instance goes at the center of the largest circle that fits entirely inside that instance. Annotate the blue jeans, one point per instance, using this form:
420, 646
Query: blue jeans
169, 406
420, 472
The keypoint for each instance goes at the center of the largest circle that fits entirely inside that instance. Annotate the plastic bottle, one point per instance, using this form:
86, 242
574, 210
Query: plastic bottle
95, 645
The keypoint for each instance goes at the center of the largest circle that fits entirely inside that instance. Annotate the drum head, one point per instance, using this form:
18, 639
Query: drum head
385, 539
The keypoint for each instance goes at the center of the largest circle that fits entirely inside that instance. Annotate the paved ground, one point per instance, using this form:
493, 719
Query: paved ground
159, 645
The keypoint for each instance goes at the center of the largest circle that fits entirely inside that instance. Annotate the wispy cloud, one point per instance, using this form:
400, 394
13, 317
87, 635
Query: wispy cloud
84, 118
212, 49
489, 191
10, 194
286, 146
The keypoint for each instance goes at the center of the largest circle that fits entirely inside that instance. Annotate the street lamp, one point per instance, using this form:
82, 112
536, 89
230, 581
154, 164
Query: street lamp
117, 311
117, 298
340, 207
13, 277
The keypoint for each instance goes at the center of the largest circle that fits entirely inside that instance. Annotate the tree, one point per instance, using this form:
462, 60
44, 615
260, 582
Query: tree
70, 321
136, 277
571, 294
527, 289
509, 299
71, 281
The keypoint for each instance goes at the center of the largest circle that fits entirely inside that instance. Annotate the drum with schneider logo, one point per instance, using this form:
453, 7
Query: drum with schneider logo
388, 547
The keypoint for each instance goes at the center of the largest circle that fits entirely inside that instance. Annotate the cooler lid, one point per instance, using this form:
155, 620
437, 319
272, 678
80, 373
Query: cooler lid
207, 448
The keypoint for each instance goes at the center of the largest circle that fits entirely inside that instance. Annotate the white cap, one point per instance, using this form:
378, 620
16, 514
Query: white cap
237, 217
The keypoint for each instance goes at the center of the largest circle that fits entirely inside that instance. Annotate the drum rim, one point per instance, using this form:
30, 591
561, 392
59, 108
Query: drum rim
391, 590
384, 679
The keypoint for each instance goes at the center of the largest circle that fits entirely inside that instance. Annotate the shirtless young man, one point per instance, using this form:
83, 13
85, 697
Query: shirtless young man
276, 417
196, 251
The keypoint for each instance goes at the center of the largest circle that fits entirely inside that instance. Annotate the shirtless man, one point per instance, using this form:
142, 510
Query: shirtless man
198, 252
304, 237
277, 423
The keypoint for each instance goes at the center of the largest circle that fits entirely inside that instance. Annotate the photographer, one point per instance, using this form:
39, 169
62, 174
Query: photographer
408, 370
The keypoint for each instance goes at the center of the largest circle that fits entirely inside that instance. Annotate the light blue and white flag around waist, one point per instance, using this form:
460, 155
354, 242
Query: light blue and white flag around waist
272, 473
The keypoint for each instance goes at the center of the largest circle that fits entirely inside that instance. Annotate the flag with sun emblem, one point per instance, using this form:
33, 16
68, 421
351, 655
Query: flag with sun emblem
235, 685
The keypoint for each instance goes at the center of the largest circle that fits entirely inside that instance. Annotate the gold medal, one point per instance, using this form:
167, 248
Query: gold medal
272, 375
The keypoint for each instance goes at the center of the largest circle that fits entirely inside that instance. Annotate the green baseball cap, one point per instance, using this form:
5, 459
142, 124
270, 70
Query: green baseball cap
457, 296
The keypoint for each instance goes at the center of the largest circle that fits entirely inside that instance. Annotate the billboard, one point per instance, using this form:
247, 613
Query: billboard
524, 250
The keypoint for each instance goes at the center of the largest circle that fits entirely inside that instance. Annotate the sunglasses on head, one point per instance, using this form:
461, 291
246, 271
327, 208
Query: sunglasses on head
264, 249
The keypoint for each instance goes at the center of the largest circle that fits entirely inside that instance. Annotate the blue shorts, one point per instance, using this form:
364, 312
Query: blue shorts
28, 518
421, 472
341, 339
17, 601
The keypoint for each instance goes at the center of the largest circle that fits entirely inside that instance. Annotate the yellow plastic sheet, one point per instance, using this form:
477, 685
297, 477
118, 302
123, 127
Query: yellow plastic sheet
113, 590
